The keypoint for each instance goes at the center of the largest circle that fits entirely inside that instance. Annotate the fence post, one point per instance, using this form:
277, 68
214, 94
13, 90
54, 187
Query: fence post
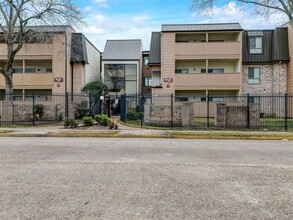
109, 106
33, 109
66, 105
248, 113
208, 110
286, 112
172, 110
123, 108
141, 111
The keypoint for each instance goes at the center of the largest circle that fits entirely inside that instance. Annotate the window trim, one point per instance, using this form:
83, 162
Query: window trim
181, 71
259, 74
255, 48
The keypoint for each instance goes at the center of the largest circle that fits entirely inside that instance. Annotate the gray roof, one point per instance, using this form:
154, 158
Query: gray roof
78, 48
201, 27
155, 50
254, 33
274, 46
48, 28
123, 50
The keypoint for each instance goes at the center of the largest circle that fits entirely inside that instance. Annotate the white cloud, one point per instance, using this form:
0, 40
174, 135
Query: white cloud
102, 3
242, 14
101, 28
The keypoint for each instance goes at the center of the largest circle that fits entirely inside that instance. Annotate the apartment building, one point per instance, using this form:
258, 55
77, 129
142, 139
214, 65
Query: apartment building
60, 61
264, 61
122, 66
197, 60
146, 85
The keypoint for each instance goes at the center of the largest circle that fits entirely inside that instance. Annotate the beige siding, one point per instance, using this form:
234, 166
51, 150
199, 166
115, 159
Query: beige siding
207, 81
290, 65
168, 59
212, 50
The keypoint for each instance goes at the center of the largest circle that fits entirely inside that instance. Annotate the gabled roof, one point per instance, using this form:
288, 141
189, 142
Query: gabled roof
201, 27
155, 50
274, 46
123, 50
48, 28
78, 48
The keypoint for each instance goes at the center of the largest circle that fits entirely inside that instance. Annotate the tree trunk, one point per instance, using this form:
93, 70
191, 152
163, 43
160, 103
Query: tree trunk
9, 84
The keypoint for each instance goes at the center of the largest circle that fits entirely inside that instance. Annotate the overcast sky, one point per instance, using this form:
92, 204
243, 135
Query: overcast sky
136, 19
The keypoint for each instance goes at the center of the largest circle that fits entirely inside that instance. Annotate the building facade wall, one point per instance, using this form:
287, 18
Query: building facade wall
290, 65
273, 79
93, 69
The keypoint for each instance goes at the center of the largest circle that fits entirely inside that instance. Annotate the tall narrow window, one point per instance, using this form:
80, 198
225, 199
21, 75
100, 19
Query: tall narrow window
255, 45
253, 75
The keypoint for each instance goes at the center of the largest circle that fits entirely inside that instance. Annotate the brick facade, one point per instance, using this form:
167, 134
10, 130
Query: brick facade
273, 79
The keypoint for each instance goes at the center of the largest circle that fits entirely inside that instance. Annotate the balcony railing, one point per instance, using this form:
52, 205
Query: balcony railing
26, 79
208, 81
207, 50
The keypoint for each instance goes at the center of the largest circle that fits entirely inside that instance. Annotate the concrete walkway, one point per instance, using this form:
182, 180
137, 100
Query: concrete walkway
126, 131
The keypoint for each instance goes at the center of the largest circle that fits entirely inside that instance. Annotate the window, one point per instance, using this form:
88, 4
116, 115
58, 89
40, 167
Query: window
145, 60
49, 70
181, 99
181, 70
255, 45
156, 79
254, 100
216, 70
147, 81
253, 75
30, 70
216, 99
121, 77
212, 99
18, 70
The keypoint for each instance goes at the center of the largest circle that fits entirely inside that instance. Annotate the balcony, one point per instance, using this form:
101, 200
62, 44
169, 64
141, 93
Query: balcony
27, 81
206, 81
40, 50
208, 50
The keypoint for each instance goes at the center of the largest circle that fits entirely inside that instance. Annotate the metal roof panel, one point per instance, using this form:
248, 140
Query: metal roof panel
200, 27
123, 50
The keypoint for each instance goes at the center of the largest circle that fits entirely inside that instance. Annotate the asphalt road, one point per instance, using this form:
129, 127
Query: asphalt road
75, 178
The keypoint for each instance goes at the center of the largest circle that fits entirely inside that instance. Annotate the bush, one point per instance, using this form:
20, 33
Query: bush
39, 110
102, 119
60, 117
70, 123
81, 110
88, 121
134, 115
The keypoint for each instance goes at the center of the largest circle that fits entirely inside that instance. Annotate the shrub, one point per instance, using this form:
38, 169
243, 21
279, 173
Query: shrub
60, 117
88, 121
39, 110
102, 119
70, 123
134, 115
81, 110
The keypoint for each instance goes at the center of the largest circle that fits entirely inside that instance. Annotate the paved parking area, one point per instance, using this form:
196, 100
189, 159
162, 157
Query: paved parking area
75, 178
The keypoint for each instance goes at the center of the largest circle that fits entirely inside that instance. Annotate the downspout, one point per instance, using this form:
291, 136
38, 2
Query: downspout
72, 64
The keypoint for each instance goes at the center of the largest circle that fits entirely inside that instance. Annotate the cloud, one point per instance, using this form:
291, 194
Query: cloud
102, 27
243, 14
102, 3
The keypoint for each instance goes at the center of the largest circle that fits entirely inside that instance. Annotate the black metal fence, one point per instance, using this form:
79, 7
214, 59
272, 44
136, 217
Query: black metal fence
248, 111
43, 109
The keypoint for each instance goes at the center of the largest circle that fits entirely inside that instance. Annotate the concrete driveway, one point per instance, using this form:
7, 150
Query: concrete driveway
75, 178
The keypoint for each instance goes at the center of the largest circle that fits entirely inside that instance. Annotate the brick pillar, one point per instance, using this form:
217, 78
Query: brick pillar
221, 116
7, 112
187, 114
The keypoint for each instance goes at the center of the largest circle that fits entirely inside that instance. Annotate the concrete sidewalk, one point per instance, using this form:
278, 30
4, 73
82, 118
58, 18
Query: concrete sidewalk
126, 131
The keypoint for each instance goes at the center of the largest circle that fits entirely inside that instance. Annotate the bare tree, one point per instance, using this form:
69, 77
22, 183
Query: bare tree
263, 7
16, 17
